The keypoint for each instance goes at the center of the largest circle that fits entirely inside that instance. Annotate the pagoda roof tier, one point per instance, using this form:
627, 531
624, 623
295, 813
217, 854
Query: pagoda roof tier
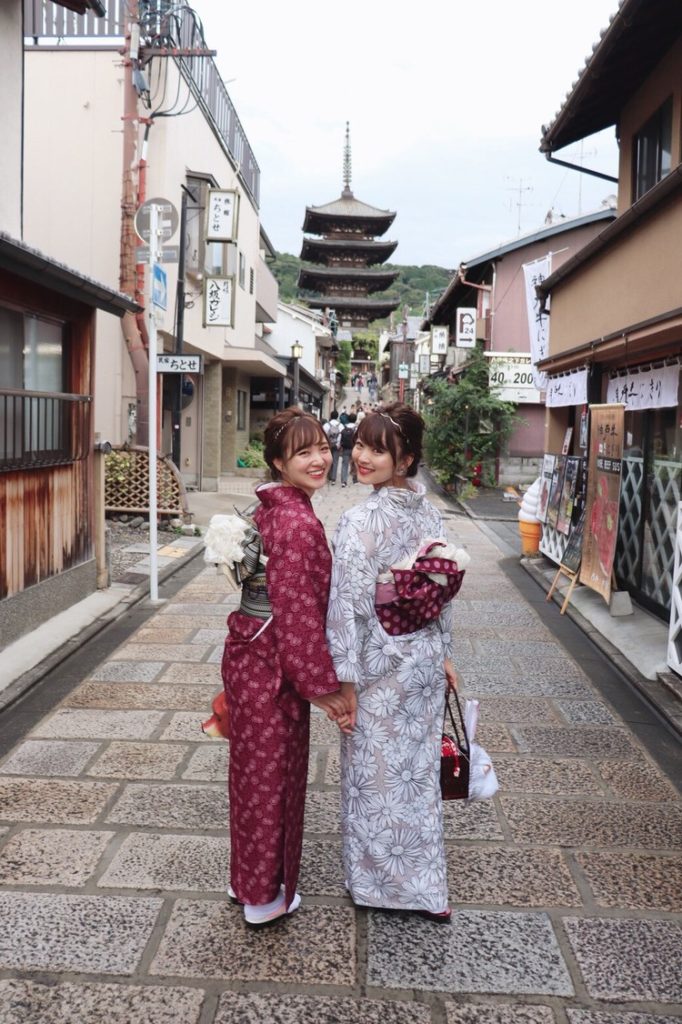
353, 308
318, 279
347, 214
319, 250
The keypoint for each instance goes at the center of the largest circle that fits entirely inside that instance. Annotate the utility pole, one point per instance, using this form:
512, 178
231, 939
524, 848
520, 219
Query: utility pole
180, 330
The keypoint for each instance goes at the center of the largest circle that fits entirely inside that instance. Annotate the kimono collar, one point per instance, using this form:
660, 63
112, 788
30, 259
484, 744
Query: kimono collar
411, 496
273, 494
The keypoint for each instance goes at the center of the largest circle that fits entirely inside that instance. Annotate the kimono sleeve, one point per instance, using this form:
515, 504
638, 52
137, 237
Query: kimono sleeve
298, 611
352, 587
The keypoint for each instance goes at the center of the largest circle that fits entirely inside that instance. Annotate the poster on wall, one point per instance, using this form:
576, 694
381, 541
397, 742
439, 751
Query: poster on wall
545, 486
555, 490
603, 496
568, 492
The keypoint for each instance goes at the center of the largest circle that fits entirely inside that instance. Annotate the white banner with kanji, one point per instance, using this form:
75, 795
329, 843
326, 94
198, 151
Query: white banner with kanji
538, 322
646, 389
567, 389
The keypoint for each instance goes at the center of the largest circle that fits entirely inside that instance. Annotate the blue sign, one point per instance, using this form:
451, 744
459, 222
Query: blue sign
159, 286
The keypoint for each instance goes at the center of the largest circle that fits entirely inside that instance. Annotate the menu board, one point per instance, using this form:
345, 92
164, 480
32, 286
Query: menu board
603, 497
545, 486
572, 555
568, 493
555, 490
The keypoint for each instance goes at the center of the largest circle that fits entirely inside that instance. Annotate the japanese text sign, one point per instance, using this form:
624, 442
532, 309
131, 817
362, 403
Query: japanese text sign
567, 389
221, 215
218, 301
183, 363
603, 495
538, 321
646, 389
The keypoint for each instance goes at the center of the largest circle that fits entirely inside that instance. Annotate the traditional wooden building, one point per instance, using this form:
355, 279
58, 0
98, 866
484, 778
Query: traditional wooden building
347, 255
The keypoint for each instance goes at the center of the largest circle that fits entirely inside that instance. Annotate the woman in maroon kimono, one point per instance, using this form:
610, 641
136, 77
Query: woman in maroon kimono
276, 663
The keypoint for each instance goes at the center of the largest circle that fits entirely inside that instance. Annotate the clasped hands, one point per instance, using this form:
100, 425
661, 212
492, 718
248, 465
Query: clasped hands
340, 706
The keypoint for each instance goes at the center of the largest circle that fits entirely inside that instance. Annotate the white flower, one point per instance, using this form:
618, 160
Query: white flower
385, 808
369, 734
402, 853
377, 886
409, 724
407, 779
382, 702
224, 538
425, 691
364, 764
357, 793
371, 835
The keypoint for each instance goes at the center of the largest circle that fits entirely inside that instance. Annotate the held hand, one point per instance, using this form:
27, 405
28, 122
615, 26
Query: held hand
333, 704
351, 698
451, 677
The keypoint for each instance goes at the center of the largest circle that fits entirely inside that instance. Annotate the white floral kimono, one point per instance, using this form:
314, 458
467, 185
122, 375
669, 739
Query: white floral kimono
391, 808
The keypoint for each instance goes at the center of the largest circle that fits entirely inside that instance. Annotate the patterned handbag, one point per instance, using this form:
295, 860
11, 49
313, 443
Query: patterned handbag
455, 758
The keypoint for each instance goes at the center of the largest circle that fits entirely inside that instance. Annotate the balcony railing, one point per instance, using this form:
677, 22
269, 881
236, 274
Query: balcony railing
39, 428
172, 27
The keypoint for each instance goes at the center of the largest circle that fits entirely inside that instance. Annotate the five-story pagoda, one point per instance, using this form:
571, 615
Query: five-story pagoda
348, 256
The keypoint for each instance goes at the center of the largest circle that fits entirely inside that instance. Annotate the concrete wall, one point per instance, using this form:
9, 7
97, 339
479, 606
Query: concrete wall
11, 86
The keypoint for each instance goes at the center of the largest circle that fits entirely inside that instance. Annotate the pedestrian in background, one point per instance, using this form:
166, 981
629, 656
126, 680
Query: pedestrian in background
333, 430
391, 806
346, 447
275, 664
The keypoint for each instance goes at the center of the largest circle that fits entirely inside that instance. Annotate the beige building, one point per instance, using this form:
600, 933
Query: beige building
127, 130
616, 305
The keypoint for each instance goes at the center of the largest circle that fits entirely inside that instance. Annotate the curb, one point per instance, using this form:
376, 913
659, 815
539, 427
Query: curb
657, 695
25, 682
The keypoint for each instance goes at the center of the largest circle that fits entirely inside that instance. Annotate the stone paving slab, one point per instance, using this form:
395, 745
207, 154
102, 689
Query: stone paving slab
618, 1017
174, 806
641, 781
499, 1014
546, 775
105, 724
128, 672
257, 1008
186, 725
209, 939
508, 876
193, 674
576, 741
197, 610
475, 821
141, 695
581, 823
49, 757
147, 860
51, 856
158, 652
586, 712
26, 1002
322, 868
121, 760
93, 934
638, 881
503, 953
628, 959
53, 800
533, 710
208, 764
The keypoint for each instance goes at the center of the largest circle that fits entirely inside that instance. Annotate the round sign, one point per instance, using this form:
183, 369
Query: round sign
168, 218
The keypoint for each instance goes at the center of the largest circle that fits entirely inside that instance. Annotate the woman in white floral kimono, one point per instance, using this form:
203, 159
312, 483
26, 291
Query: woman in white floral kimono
393, 850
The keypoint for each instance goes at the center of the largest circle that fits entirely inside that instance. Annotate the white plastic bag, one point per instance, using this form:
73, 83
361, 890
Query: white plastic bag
483, 782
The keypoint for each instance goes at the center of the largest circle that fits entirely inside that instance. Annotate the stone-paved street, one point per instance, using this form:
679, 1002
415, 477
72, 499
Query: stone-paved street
113, 849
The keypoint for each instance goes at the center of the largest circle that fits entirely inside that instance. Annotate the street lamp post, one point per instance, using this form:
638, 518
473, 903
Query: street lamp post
296, 353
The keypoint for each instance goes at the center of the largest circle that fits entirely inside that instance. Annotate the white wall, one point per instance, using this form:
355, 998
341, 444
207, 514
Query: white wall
11, 58
291, 327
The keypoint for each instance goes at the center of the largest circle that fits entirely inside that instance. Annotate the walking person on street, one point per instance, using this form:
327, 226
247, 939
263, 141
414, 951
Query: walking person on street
275, 664
333, 430
391, 810
346, 443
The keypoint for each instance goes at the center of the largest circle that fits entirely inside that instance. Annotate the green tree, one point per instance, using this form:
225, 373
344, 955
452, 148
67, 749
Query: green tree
343, 362
466, 423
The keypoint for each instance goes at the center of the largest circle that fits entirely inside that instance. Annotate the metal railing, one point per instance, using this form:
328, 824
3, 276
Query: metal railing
169, 25
39, 428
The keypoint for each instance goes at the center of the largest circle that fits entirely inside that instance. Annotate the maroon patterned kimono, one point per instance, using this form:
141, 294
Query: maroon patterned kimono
269, 682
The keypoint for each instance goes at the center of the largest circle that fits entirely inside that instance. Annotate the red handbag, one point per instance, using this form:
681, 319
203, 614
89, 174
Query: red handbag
455, 757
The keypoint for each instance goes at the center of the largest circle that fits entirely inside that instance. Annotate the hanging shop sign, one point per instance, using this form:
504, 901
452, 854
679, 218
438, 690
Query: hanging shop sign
534, 273
218, 301
221, 215
439, 340
180, 363
465, 327
567, 389
603, 492
424, 363
510, 375
568, 494
650, 388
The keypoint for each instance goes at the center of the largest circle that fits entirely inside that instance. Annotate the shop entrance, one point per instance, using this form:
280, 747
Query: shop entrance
651, 488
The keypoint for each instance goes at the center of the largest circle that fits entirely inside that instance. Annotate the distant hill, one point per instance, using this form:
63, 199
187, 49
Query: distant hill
410, 288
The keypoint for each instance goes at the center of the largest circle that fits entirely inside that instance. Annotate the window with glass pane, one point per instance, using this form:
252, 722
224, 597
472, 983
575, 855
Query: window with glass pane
653, 150
241, 410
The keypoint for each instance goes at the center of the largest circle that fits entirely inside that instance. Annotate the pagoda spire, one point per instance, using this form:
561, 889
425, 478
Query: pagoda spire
347, 192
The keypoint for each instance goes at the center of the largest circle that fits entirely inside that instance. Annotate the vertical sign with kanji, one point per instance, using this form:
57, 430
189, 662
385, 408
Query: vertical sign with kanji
218, 302
534, 274
221, 215
603, 496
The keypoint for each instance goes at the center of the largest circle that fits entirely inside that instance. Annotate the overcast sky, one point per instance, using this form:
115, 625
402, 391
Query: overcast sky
445, 107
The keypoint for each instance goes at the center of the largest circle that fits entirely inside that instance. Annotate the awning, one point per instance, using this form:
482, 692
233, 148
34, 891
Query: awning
251, 360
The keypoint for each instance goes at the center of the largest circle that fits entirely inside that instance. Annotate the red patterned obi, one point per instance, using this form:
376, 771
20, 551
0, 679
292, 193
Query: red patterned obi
413, 599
